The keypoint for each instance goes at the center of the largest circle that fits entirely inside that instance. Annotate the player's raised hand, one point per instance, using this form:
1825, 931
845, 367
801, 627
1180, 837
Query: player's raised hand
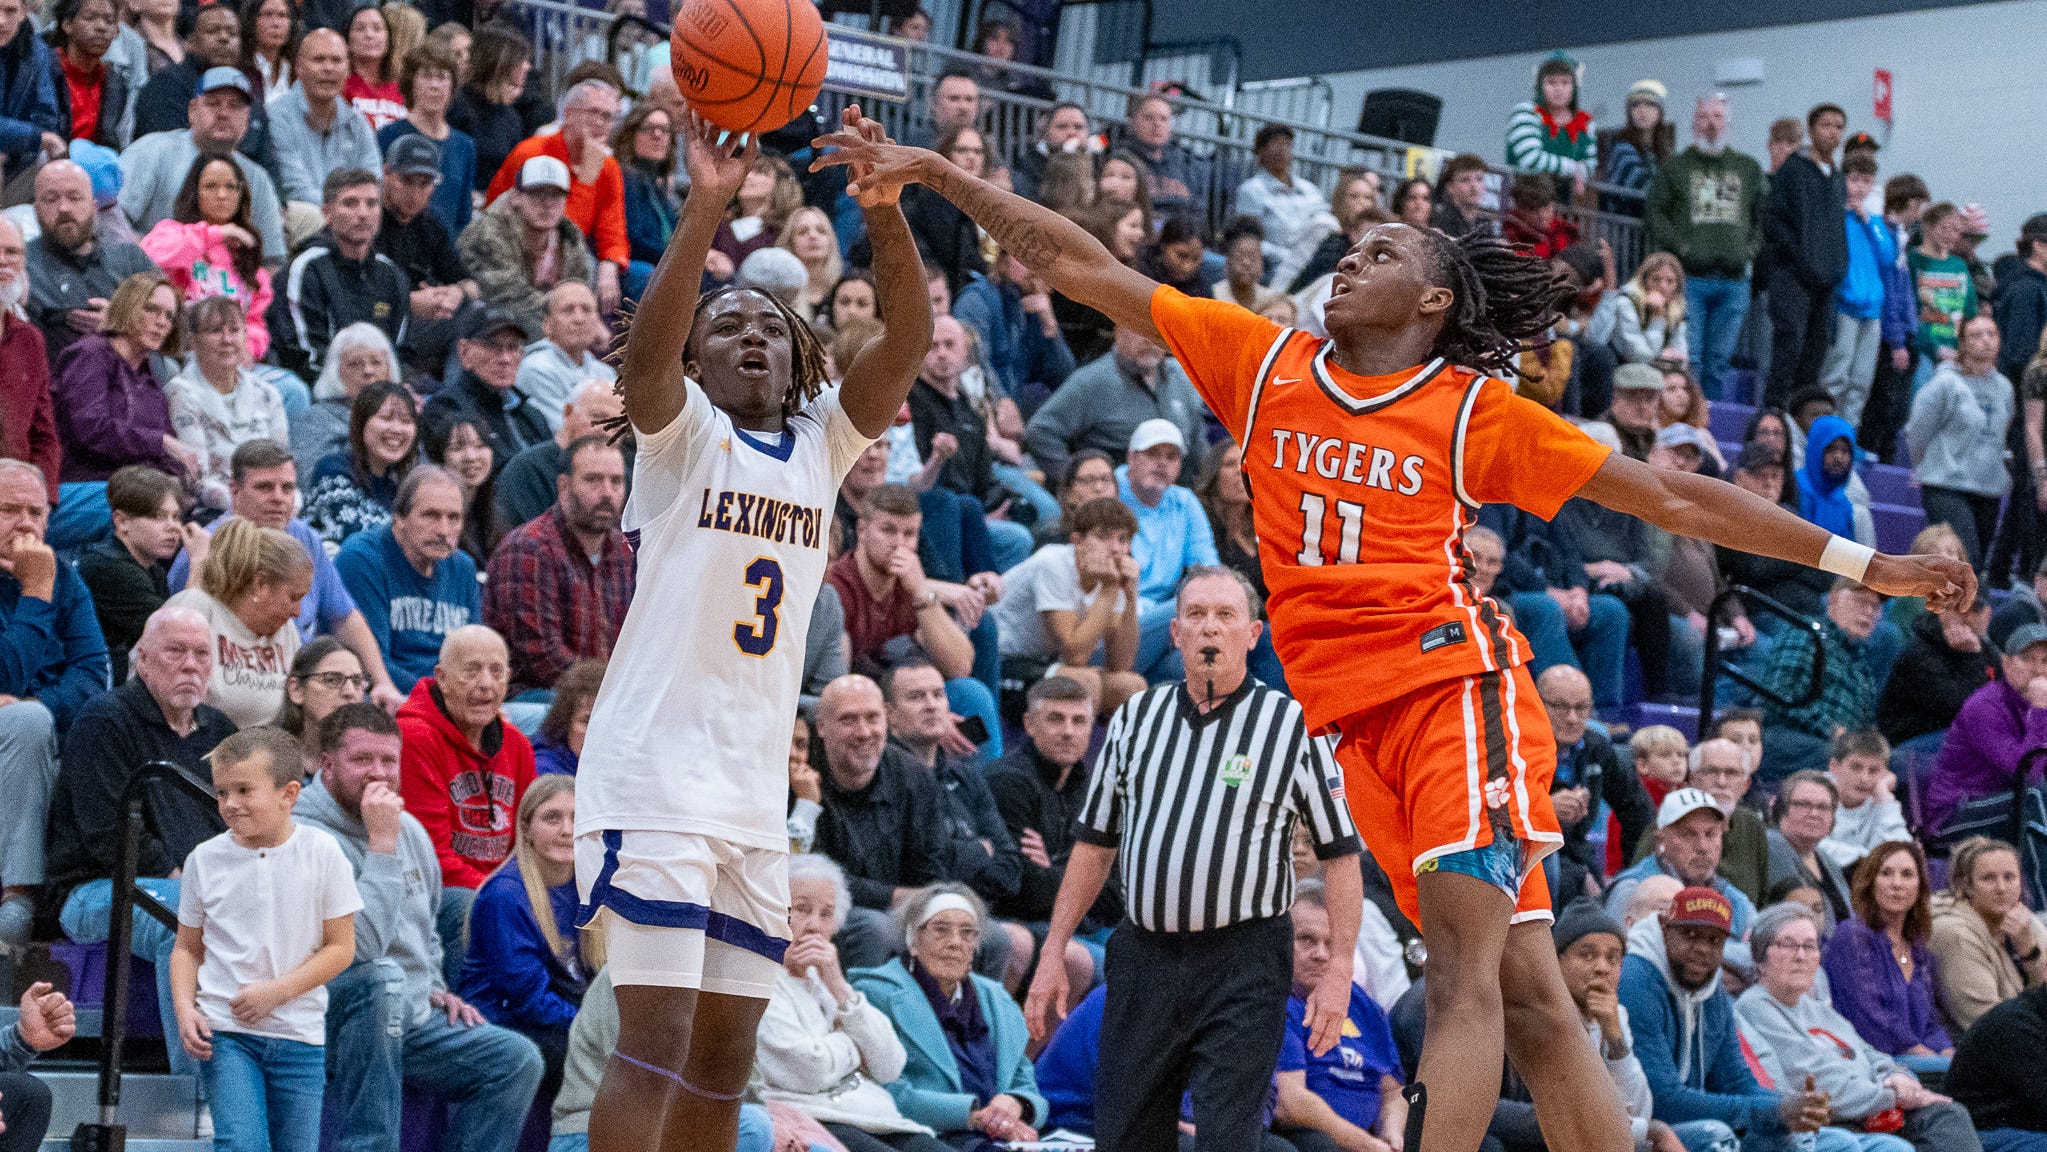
715, 165
871, 131
1948, 585
880, 168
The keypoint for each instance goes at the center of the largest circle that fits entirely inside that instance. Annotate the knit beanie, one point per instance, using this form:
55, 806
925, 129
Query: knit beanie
1583, 918
1651, 90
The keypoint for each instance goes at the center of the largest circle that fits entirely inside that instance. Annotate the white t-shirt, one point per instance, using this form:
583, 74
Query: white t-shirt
1048, 581
262, 912
248, 670
690, 732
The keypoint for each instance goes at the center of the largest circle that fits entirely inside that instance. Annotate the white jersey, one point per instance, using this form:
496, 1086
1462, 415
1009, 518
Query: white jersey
690, 732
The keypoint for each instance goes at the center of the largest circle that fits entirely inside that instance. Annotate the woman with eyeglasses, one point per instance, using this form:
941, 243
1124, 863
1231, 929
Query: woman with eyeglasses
1796, 1034
1803, 815
324, 676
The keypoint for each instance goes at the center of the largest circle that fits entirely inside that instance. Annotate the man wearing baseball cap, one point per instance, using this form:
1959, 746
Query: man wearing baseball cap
523, 245
1637, 400
413, 237
219, 115
1105, 399
1685, 1034
1172, 536
1690, 829
484, 391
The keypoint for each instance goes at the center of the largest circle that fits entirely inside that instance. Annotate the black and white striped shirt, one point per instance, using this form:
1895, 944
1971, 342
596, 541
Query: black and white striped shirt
1202, 807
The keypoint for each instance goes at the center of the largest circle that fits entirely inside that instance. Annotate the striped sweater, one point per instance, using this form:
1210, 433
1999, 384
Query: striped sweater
1535, 145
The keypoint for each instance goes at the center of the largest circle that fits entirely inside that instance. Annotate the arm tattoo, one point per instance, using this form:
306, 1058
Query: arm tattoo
1037, 245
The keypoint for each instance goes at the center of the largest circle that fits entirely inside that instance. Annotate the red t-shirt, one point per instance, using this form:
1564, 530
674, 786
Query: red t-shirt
86, 85
380, 104
870, 623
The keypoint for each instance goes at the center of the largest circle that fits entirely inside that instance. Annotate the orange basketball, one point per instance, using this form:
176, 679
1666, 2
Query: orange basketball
748, 65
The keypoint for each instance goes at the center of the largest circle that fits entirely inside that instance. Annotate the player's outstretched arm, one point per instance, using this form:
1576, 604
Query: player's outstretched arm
1687, 504
1071, 261
651, 377
879, 378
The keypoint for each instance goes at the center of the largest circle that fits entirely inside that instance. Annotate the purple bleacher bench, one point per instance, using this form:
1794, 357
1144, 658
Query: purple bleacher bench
1896, 524
1683, 717
1729, 420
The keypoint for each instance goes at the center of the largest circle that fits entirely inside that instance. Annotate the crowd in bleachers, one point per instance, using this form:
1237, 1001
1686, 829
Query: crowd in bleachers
304, 412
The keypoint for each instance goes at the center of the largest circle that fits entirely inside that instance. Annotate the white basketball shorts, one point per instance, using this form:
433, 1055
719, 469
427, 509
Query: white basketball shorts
681, 910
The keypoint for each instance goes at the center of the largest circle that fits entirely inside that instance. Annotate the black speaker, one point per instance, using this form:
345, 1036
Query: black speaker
1401, 114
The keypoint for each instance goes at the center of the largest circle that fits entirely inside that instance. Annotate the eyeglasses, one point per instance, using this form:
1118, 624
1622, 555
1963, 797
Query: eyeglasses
336, 681
1810, 806
942, 933
1569, 708
1801, 948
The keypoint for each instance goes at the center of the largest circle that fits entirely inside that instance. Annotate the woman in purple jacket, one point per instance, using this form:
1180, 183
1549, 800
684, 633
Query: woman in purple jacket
1998, 724
1878, 965
111, 409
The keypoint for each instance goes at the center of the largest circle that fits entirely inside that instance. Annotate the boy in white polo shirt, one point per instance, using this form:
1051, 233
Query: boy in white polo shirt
266, 917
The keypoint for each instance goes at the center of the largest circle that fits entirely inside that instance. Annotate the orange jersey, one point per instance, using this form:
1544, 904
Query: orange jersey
1361, 489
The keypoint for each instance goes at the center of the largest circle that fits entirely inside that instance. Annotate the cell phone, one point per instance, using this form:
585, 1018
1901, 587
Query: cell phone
974, 728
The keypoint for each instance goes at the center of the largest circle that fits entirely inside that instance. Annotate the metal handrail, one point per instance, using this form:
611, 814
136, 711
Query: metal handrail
1214, 131
128, 896
1708, 683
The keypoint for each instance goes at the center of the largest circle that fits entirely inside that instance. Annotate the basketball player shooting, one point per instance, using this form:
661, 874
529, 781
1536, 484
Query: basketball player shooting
681, 846
1367, 455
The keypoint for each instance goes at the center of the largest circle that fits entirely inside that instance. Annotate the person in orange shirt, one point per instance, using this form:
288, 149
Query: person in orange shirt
596, 184
1367, 454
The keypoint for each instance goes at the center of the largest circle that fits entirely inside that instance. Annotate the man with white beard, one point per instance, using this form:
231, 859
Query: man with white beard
28, 426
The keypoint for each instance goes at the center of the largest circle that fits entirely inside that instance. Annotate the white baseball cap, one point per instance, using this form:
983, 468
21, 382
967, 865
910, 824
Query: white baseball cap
1154, 432
544, 172
1684, 802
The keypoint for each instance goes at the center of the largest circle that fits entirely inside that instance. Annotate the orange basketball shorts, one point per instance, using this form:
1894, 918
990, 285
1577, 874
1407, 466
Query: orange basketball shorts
1447, 769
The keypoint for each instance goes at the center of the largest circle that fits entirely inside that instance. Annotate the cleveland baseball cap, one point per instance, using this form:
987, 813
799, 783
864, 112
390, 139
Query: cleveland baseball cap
1701, 907
1154, 432
543, 172
214, 79
413, 155
1684, 802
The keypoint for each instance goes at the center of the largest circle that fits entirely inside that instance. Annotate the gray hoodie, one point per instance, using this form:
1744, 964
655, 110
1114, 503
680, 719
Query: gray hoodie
401, 896
1957, 432
1627, 1076
1810, 1037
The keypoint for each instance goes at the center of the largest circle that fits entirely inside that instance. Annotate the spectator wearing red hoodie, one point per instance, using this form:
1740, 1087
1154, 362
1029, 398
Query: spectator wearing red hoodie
463, 770
1534, 220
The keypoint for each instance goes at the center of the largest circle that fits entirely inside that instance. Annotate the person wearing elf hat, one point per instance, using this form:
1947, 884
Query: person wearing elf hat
1550, 134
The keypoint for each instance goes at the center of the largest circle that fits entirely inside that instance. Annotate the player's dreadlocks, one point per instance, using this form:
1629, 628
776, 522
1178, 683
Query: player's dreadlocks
806, 363
1505, 297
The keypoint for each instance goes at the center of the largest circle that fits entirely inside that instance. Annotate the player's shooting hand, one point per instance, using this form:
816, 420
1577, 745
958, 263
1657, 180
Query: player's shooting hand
1948, 585
870, 195
715, 166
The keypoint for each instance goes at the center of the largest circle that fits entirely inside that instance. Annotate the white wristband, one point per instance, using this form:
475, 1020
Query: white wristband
1844, 557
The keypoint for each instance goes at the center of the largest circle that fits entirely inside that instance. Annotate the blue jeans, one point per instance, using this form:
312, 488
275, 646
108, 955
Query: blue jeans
1706, 1136
452, 926
756, 1134
969, 697
1714, 309
1019, 483
1843, 1140
88, 912
81, 517
1599, 649
1010, 542
2012, 1140
987, 638
265, 1093
486, 1074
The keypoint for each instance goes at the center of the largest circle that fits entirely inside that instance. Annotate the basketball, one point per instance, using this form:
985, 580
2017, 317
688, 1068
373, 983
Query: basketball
748, 65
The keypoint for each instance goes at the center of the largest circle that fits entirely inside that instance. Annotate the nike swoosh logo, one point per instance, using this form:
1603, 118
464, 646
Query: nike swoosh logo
1283, 380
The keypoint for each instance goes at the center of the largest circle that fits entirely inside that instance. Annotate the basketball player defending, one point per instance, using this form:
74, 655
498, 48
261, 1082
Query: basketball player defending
1367, 455
681, 843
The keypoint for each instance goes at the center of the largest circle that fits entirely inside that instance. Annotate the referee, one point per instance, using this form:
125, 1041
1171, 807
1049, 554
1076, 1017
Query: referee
1199, 787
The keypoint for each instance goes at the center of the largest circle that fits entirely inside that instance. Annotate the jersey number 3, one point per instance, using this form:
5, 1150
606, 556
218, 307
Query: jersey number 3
758, 639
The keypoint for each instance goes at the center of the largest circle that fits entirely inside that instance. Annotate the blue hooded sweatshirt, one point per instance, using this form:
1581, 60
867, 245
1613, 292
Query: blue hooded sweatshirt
1823, 499
1861, 292
1688, 1043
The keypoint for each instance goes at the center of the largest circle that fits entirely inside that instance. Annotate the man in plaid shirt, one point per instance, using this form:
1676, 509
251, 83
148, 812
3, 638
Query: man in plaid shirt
560, 584
1796, 738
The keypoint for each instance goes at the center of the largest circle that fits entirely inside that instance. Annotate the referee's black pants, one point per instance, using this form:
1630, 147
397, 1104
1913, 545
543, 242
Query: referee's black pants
1204, 1011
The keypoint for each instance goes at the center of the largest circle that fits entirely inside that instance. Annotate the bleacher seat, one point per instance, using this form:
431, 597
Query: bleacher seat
1683, 717
87, 964
1890, 484
1728, 420
1896, 524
